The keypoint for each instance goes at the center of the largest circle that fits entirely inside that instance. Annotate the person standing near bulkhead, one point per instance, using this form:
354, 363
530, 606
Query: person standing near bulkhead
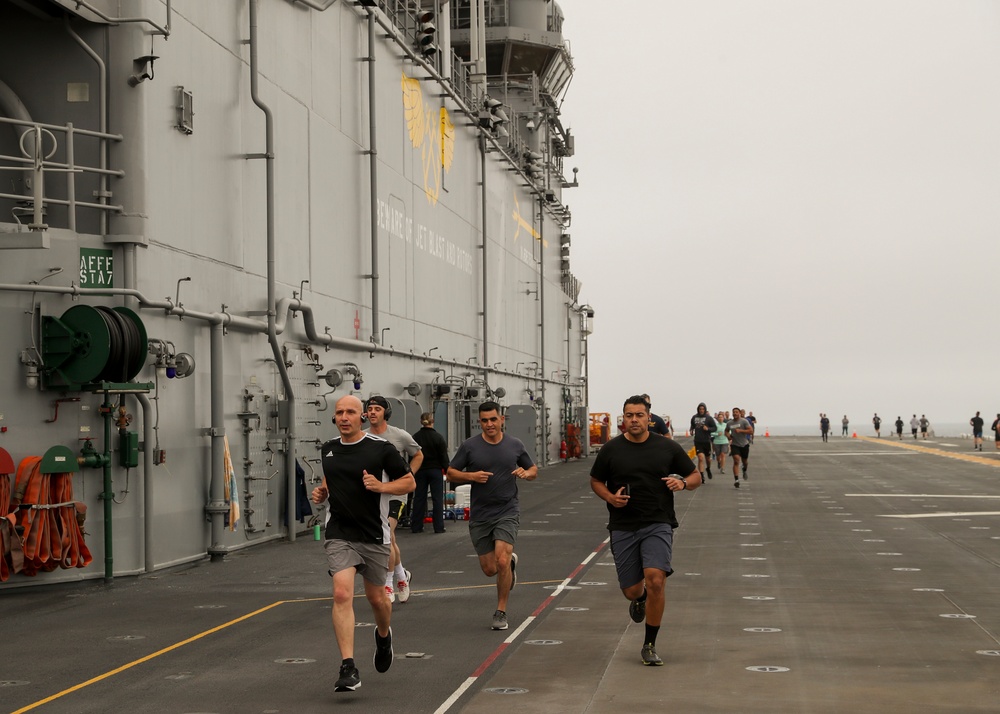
636, 474
430, 476
493, 463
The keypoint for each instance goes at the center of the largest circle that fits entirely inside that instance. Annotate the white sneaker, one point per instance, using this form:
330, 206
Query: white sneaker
390, 594
403, 586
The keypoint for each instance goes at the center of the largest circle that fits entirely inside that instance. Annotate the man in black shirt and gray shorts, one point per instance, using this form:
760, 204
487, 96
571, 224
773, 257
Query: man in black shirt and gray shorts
637, 473
360, 472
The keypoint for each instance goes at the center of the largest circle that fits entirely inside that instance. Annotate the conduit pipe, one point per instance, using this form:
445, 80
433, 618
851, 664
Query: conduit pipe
148, 501
165, 31
486, 272
373, 172
315, 5
272, 334
217, 507
541, 322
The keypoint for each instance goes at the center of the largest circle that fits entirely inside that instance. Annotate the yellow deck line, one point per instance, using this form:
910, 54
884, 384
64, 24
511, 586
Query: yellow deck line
194, 638
931, 450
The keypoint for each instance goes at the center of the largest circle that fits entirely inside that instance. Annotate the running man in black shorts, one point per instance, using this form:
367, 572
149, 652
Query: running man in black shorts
702, 428
637, 473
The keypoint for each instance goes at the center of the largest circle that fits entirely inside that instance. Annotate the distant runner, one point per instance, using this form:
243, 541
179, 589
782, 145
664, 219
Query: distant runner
702, 428
720, 443
899, 427
877, 423
844, 423
739, 430
914, 424
976, 423
924, 423
824, 426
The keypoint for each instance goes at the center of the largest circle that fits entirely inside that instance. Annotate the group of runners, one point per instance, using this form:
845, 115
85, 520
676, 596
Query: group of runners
366, 476
724, 434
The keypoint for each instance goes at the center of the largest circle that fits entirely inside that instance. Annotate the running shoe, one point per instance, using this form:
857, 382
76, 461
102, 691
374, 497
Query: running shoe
403, 586
637, 610
513, 572
736, 483
649, 656
383, 651
350, 679
499, 620
390, 594
744, 474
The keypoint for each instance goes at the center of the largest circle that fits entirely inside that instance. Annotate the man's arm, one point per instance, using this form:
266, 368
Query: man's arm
456, 476
618, 499
399, 487
528, 474
415, 462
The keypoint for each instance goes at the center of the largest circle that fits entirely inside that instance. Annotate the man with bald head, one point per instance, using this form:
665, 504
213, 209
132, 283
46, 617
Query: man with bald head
360, 472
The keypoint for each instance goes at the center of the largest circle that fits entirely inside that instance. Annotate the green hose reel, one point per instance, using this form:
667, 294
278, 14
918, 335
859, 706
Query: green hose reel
89, 344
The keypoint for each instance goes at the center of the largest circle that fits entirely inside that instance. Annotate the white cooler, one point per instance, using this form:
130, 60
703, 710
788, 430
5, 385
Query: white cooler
463, 495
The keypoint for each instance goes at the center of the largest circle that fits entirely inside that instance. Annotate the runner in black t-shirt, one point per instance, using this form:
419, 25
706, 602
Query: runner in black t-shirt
637, 473
877, 423
360, 472
976, 423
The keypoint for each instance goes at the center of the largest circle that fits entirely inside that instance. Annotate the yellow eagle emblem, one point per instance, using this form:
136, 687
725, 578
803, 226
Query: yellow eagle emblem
434, 136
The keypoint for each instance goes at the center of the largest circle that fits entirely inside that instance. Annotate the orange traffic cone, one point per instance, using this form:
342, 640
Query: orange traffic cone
687, 433
766, 433
854, 435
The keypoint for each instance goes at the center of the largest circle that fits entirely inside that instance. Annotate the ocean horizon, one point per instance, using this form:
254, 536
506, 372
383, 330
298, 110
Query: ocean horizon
944, 429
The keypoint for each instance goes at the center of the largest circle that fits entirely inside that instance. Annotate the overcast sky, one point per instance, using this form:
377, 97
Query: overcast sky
789, 205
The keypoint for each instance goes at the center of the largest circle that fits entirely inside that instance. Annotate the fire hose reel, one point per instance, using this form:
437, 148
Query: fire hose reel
90, 344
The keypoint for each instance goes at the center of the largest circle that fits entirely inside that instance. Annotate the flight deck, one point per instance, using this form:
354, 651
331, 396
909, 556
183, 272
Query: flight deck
857, 575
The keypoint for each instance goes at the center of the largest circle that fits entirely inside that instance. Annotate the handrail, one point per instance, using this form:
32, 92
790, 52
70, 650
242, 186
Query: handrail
38, 164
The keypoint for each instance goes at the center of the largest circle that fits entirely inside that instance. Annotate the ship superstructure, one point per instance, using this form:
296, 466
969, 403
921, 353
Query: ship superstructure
217, 218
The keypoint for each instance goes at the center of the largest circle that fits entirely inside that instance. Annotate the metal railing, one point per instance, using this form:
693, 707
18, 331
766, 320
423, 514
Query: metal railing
36, 162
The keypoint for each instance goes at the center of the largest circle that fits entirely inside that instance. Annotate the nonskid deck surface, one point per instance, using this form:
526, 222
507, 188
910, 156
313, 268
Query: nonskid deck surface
848, 576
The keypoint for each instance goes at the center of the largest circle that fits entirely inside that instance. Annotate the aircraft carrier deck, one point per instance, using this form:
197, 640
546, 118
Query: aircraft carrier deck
855, 575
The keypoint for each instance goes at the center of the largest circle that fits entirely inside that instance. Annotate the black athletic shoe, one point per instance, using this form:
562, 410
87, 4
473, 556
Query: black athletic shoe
744, 474
513, 570
709, 472
637, 610
350, 679
383, 651
649, 656
736, 483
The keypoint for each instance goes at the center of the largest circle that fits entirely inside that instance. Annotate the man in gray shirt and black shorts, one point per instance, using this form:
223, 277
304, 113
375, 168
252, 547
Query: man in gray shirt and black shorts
493, 462
739, 430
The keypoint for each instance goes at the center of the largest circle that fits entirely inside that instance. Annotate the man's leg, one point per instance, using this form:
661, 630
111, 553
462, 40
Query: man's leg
381, 607
343, 610
436, 483
419, 501
498, 563
655, 595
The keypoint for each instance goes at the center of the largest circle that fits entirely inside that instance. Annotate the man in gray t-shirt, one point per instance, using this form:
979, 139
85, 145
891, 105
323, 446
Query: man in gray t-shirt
739, 430
492, 462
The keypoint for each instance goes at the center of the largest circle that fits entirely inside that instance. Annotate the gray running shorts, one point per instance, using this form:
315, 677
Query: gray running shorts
484, 534
648, 547
370, 559
720, 449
